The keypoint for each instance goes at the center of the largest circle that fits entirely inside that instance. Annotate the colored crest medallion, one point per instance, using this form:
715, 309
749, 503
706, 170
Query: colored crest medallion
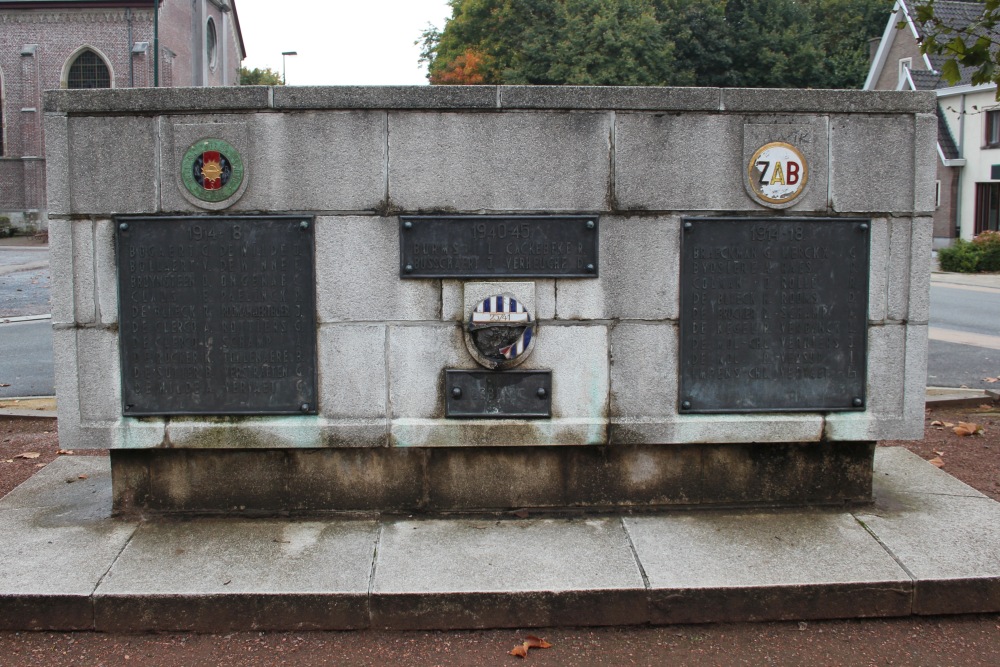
212, 170
778, 173
500, 332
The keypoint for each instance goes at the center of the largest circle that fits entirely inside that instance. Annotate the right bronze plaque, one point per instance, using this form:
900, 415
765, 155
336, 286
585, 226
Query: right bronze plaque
773, 314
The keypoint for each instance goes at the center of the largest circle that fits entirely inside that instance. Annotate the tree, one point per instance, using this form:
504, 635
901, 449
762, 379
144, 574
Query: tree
969, 40
259, 77
769, 43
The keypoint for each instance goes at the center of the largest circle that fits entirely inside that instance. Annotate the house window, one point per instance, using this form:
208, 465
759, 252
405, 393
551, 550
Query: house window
993, 128
211, 44
937, 194
987, 207
89, 71
905, 64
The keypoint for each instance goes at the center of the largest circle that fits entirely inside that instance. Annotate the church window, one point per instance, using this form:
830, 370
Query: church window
89, 71
211, 43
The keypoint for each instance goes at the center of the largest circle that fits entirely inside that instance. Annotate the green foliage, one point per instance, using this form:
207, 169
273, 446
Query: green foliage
971, 46
962, 257
6, 229
988, 246
760, 43
259, 77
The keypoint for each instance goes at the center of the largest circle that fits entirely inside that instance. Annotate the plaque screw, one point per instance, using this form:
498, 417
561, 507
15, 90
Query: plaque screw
456, 392
590, 224
407, 225
590, 268
863, 226
857, 402
541, 392
686, 405
304, 225
123, 226
408, 268
304, 407
688, 226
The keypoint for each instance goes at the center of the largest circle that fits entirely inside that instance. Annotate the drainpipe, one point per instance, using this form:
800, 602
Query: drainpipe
961, 171
156, 43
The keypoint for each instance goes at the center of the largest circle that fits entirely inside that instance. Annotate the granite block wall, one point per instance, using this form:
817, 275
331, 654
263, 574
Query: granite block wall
356, 158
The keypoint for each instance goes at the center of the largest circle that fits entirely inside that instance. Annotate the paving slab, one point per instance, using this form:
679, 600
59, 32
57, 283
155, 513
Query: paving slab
487, 573
59, 541
946, 534
929, 544
215, 575
738, 566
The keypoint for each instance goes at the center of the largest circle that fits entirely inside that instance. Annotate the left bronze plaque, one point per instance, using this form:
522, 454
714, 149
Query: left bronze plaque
217, 315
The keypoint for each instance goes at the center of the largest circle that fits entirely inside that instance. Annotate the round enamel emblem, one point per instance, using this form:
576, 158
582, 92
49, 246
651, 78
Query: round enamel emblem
212, 170
501, 333
778, 173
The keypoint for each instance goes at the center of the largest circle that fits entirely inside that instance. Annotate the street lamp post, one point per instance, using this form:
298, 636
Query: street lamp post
284, 79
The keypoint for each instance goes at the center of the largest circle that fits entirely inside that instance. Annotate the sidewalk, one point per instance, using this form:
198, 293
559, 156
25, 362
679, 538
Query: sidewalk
928, 545
984, 280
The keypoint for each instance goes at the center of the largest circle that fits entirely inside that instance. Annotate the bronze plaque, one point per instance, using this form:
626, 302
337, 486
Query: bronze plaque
217, 315
774, 314
507, 246
498, 394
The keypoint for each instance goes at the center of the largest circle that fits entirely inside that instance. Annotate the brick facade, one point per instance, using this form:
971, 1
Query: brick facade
37, 47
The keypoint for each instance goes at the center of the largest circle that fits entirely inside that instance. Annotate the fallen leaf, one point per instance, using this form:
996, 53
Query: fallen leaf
967, 428
64, 452
82, 477
520, 651
938, 453
937, 422
991, 380
937, 462
4, 384
531, 641
39, 465
521, 514
27, 455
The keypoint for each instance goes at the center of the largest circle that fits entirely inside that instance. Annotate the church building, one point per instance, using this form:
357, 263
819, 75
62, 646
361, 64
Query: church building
46, 44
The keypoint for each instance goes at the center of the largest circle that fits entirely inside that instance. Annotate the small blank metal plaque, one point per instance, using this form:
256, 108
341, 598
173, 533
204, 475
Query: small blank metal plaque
217, 315
476, 246
774, 314
498, 394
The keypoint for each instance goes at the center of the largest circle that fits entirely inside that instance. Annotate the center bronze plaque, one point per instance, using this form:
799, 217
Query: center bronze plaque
217, 315
773, 314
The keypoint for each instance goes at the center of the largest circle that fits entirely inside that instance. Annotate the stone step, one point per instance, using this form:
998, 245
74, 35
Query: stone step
926, 545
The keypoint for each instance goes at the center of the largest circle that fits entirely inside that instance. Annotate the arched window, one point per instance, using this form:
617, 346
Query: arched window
211, 43
88, 71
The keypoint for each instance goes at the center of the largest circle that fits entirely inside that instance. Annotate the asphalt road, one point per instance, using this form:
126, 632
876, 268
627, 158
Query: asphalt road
26, 361
965, 336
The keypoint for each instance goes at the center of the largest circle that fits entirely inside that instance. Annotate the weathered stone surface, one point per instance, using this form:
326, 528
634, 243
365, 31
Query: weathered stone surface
229, 574
57, 185
578, 357
925, 162
499, 161
643, 368
639, 259
878, 275
100, 375
945, 536
900, 244
454, 306
99, 167
364, 285
869, 172
353, 374
105, 273
921, 237
418, 356
531, 573
61, 298
650, 176
136, 100
385, 97
75, 489
288, 147
782, 567
770, 100
85, 307
610, 97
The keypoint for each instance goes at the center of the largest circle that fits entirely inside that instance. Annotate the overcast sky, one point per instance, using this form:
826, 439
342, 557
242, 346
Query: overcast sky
339, 42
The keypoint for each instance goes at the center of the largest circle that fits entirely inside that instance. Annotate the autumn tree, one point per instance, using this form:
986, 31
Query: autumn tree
789, 43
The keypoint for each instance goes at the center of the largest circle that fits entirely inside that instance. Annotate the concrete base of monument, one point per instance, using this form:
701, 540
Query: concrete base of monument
927, 545
476, 479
